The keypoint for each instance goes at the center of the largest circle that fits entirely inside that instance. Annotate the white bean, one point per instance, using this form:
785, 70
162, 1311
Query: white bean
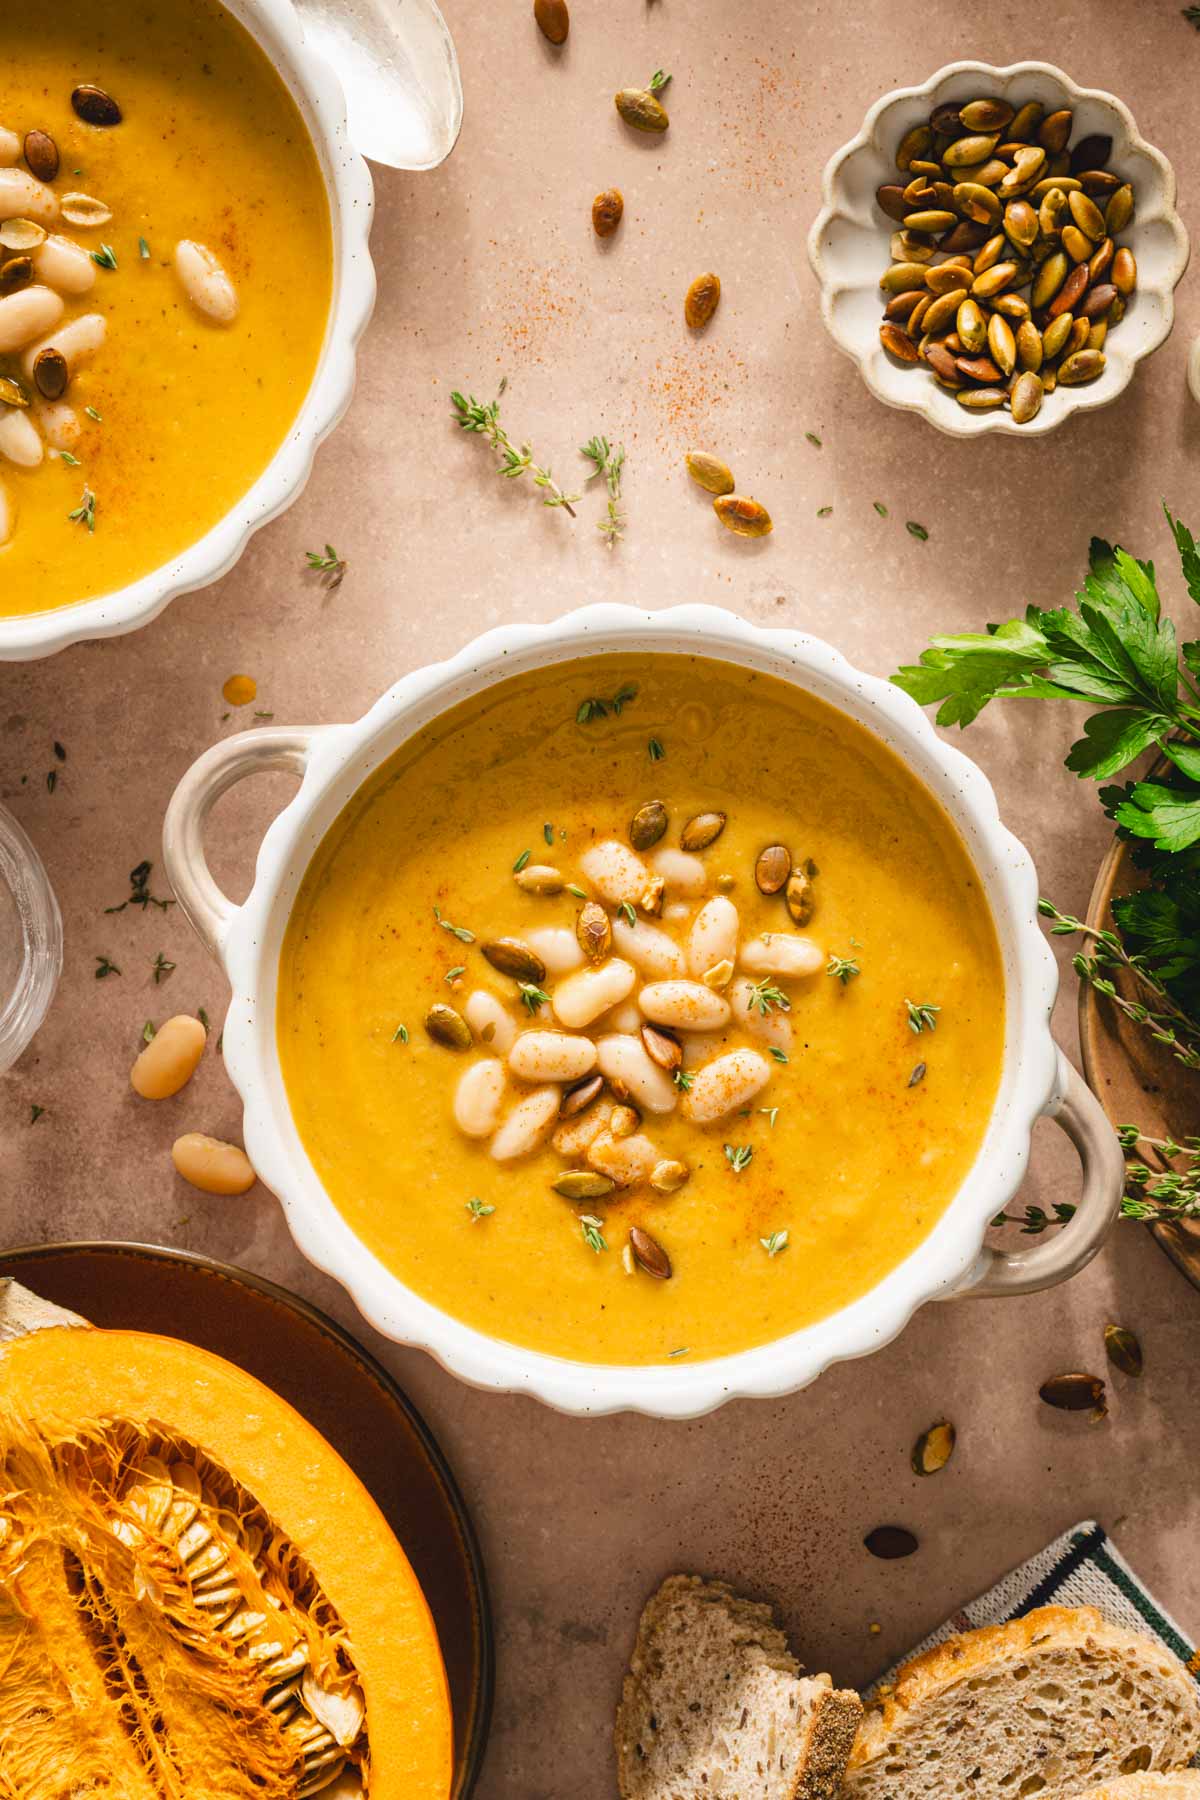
76, 340
65, 265
623, 1060
682, 872
714, 935
10, 146
24, 197
557, 946
212, 1166
626, 1017
781, 953
616, 871
574, 1135
477, 1097
59, 423
724, 1085
205, 282
26, 314
551, 1056
700, 1047
687, 1005
19, 440
583, 996
625, 1160
650, 949
170, 1059
527, 1126
773, 1027
675, 912
8, 514
492, 1023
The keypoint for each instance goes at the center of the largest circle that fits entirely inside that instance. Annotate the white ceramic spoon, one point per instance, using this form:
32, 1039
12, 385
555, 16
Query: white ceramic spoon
397, 62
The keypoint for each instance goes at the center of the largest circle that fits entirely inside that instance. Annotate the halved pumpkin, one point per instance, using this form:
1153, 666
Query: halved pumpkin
198, 1599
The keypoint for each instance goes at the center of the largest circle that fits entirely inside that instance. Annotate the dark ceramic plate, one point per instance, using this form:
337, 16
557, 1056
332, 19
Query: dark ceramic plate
344, 1392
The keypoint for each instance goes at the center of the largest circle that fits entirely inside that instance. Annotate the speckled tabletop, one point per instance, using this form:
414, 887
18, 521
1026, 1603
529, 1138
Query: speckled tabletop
488, 267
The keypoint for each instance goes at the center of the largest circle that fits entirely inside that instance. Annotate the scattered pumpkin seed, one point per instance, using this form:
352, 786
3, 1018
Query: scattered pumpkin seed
649, 1254
623, 1121
512, 957
641, 110
12, 393
583, 1184
743, 516
668, 1176
580, 1097
701, 301
1073, 1393
890, 1542
445, 1026
648, 824
702, 831
16, 272
539, 878
934, 1448
772, 869
1123, 1350
800, 896
608, 209
709, 472
661, 1047
94, 106
553, 19
50, 373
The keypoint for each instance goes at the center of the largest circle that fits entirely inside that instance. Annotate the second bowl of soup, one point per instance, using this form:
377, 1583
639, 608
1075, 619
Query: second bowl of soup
183, 277
663, 1018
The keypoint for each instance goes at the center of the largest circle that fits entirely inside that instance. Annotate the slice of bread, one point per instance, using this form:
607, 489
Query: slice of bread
1184, 1784
715, 1708
1058, 1701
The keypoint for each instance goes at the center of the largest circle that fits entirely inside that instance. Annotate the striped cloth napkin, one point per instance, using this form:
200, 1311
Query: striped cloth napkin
1081, 1568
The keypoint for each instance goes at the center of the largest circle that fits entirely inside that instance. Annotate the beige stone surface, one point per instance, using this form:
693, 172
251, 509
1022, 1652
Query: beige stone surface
488, 268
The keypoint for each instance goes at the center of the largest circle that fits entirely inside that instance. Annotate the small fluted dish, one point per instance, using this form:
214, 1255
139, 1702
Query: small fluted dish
848, 243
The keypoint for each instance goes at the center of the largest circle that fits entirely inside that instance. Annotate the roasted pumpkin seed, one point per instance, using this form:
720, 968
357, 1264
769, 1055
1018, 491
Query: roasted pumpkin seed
980, 399
800, 897
1098, 299
1071, 291
932, 220
1078, 247
993, 280
608, 209
21, 234
916, 142
987, 115
41, 155
85, 210
1052, 210
772, 869
50, 372
1091, 152
971, 325
593, 929
1087, 216
1002, 344
902, 278
902, 306
668, 1176
946, 118
648, 824
1101, 260
540, 878
581, 1096
583, 1184
891, 200
890, 1542
1123, 1350
701, 301
445, 1026
1026, 397
1119, 210
1049, 279
1055, 335
708, 472
16, 272
1055, 130
623, 1121
661, 1047
12, 393
1124, 272
641, 110
1021, 223
553, 19
94, 106
943, 310
649, 1254
1083, 366
512, 957
1029, 345
934, 1448
1073, 1393
743, 516
1025, 123
897, 342
966, 151
702, 831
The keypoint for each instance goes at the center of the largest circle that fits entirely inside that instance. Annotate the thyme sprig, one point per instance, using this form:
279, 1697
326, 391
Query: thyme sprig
85, 512
843, 968
1166, 1021
765, 995
329, 565
608, 462
515, 460
1152, 1196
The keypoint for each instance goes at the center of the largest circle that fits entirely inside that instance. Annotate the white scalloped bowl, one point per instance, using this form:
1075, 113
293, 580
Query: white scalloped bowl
334, 761
848, 243
313, 86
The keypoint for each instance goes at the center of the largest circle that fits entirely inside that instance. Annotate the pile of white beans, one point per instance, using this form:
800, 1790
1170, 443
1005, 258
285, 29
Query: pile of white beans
32, 317
688, 970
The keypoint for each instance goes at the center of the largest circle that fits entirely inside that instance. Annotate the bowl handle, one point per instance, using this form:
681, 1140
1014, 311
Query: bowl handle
1074, 1107
211, 775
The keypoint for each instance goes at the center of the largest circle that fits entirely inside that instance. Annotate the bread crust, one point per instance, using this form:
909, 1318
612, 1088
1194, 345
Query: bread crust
1179, 1784
928, 1676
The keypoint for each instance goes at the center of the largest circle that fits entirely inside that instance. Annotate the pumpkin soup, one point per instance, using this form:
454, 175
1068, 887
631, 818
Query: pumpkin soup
165, 278
641, 1008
